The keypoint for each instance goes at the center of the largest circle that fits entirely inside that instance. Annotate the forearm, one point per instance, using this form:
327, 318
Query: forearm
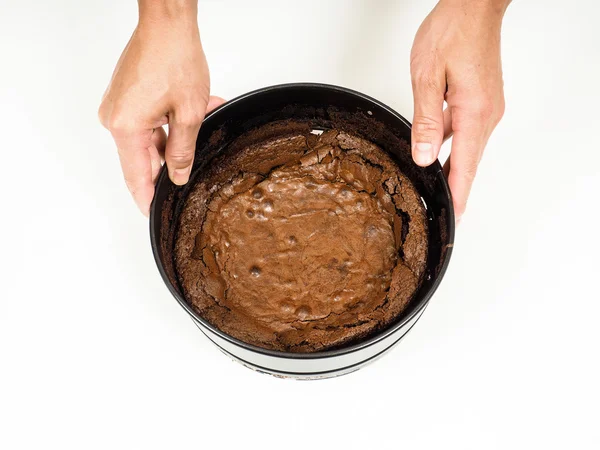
170, 9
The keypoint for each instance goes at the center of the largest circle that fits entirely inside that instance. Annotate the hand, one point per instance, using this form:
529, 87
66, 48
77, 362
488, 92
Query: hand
161, 78
456, 57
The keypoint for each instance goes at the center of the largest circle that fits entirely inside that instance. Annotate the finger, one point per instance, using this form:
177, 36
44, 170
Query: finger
429, 88
157, 151
447, 124
467, 147
181, 144
136, 163
159, 140
214, 102
446, 167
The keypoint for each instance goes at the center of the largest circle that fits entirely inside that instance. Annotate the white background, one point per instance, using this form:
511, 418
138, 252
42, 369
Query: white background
94, 352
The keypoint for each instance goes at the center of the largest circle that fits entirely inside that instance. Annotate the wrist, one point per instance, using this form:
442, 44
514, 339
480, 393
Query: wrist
497, 7
168, 10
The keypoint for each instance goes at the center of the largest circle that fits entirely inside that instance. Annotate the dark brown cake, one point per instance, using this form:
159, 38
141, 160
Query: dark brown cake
301, 242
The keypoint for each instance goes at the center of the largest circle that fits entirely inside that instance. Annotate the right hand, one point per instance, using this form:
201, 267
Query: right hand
456, 57
161, 78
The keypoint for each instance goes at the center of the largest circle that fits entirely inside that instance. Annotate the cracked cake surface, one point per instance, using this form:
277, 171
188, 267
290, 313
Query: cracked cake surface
301, 242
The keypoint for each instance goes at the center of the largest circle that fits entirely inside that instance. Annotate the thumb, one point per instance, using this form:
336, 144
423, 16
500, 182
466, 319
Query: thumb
428, 121
181, 145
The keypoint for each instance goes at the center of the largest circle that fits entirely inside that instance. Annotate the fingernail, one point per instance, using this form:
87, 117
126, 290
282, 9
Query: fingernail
458, 219
180, 176
423, 153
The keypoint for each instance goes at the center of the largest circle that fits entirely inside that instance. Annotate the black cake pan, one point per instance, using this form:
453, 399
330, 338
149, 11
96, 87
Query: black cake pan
323, 106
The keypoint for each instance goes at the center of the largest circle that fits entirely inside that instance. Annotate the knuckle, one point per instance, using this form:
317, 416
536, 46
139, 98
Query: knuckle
489, 108
116, 116
102, 115
202, 94
426, 126
484, 108
189, 118
419, 61
181, 158
117, 122
415, 66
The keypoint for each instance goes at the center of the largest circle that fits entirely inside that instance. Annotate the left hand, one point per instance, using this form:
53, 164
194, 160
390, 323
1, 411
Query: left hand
456, 57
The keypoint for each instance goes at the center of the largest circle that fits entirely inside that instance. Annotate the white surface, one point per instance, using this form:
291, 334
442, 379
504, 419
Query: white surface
94, 353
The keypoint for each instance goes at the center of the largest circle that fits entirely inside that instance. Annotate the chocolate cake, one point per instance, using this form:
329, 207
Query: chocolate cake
301, 242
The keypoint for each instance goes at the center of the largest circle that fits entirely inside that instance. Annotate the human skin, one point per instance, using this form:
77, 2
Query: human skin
456, 58
162, 78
